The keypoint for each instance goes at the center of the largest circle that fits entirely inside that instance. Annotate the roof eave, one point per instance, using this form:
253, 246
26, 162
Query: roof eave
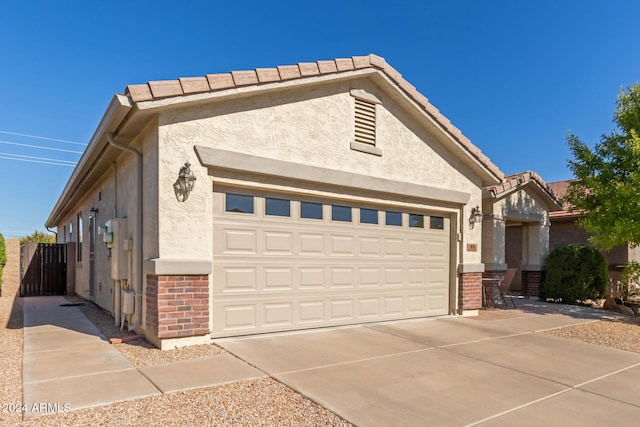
117, 110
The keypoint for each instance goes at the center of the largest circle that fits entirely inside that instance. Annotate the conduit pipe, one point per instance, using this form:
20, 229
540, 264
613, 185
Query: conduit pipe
137, 282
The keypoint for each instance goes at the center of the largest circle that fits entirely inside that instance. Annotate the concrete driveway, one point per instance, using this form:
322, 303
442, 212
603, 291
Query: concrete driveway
455, 371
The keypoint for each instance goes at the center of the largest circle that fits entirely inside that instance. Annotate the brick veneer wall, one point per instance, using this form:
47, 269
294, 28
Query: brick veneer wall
532, 283
470, 295
177, 306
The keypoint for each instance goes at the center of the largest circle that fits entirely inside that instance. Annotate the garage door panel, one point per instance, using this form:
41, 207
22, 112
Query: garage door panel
438, 249
341, 309
240, 241
278, 243
342, 245
417, 248
393, 247
393, 306
342, 277
278, 278
312, 244
278, 314
369, 277
370, 246
312, 311
274, 274
240, 279
312, 278
438, 303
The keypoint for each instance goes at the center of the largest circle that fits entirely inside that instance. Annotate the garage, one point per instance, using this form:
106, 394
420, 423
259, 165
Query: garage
284, 261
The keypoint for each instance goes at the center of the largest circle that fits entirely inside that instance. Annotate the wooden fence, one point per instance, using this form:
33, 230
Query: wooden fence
44, 269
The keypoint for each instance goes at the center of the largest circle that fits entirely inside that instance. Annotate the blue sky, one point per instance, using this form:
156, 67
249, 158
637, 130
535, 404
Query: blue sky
513, 75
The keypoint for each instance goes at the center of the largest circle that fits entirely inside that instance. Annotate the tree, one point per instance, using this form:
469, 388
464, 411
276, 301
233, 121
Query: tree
607, 188
38, 237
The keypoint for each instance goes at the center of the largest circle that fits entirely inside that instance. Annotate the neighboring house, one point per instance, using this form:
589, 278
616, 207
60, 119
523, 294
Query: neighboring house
565, 230
326, 193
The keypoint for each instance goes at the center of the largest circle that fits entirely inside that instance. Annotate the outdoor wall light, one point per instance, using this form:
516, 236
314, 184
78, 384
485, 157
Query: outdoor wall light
184, 183
476, 216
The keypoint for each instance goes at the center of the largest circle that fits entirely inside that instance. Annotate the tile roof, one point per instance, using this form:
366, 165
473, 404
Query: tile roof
512, 182
155, 90
561, 188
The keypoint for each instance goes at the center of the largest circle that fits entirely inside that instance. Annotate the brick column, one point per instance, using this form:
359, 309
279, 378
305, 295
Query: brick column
177, 306
531, 283
470, 292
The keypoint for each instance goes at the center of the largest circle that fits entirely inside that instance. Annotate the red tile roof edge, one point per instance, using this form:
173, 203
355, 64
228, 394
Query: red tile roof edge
215, 82
520, 179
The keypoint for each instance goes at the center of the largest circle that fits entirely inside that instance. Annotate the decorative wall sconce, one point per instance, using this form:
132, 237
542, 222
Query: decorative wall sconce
93, 211
184, 184
476, 216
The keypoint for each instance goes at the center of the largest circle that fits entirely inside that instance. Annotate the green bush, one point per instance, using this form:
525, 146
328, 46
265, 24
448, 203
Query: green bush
3, 258
574, 273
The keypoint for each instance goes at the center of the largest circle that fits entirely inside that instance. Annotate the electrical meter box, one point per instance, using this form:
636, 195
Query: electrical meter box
117, 232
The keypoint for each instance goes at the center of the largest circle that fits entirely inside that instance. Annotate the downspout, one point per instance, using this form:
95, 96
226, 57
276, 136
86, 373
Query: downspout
137, 284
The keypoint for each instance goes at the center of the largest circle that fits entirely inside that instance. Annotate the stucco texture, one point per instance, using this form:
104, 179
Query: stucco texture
305, 125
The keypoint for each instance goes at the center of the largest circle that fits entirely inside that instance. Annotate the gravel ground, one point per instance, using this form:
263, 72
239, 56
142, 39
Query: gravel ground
141, 352
620, 334
257, 402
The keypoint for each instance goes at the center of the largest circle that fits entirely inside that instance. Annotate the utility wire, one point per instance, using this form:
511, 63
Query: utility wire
34, 159
39, 147
42, 137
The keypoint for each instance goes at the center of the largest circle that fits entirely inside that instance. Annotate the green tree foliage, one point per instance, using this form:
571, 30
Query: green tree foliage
38, 237
3, 257
574, 273
607, 188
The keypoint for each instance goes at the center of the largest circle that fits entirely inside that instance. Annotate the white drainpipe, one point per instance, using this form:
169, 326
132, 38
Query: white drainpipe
137, 282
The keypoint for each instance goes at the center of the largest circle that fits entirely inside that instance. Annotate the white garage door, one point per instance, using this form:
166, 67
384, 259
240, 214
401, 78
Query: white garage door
285, 262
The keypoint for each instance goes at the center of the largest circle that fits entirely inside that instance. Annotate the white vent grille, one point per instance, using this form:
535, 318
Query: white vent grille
365, 122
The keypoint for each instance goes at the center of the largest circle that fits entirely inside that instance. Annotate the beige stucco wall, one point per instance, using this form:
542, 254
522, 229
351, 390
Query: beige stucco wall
522, 206
306, 125
114, 196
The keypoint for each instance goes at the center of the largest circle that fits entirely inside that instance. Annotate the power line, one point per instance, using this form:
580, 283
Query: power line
34, 159
40, 147
42, 137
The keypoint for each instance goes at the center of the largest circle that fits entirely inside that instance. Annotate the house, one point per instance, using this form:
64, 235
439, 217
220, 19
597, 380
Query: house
565, 230
309, 195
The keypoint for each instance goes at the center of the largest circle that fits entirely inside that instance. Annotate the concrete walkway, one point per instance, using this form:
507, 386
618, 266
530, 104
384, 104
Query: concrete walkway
68, 364
494, 370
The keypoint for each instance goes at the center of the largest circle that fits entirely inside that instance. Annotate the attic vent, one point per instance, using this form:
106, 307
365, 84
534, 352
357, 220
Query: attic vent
365, 122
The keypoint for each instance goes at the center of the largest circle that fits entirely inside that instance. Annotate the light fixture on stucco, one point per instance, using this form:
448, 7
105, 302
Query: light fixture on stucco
184, 184
476, 216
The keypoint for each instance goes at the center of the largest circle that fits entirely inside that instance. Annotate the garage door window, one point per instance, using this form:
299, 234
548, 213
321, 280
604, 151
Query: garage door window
277, 207
341, 213
416, 221
311, 210
241, 203
394, 218
436, 223
368, 216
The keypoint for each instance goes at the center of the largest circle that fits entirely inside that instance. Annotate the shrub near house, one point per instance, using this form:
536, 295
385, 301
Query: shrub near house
574, 273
